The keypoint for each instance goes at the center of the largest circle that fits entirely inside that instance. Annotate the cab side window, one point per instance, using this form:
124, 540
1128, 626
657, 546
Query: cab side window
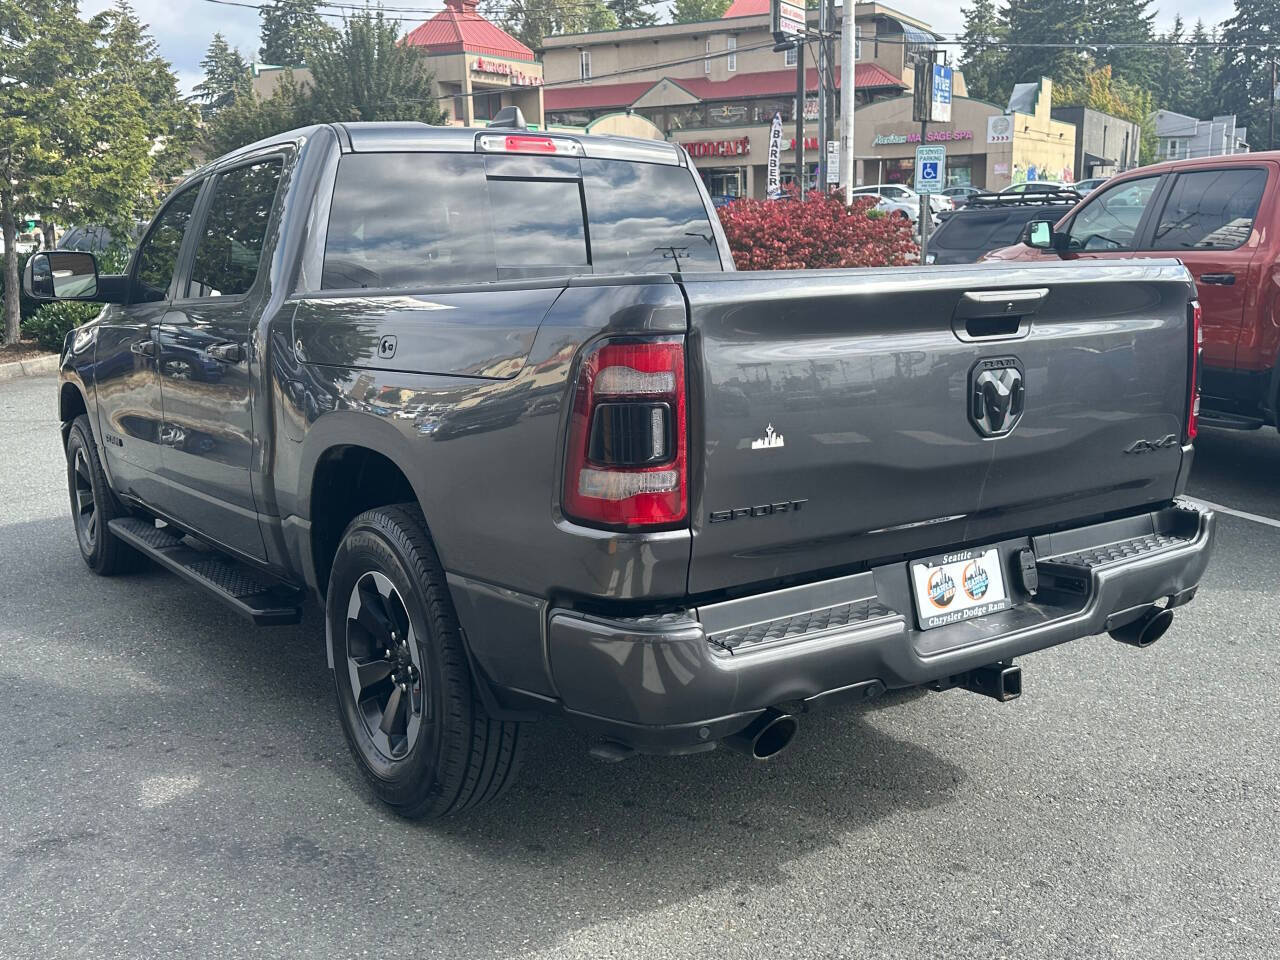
1210, 210
235, 231
158, 256
1110, 220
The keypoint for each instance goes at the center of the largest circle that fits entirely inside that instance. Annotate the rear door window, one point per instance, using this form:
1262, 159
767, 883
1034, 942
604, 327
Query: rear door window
419, 219
235, 231
1109, 221
646, 218
1210, 210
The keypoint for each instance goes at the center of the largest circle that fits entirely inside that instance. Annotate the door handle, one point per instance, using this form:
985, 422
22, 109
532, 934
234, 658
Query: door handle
143, 348
227, 352
1222, 279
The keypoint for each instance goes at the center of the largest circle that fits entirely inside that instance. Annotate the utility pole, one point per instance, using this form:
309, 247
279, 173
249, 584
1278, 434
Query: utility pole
824, 65
800, 177
848, 100
1271, 110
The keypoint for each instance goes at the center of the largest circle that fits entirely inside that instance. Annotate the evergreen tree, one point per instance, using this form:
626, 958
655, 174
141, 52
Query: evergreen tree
1038, 22
982, 62
1201, 97
1172, 68
226, 76
529, 21
1123, 22
1244, 84
692, 11
632, 13
291, 31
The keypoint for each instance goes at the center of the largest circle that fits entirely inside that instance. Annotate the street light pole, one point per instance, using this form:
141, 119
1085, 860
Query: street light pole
800, 177
1271, 110
848, 100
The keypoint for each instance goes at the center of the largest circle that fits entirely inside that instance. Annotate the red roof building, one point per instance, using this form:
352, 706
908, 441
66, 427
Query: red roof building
479, 67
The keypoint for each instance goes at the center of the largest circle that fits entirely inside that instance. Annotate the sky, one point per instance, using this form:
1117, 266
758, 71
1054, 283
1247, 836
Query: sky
183, 28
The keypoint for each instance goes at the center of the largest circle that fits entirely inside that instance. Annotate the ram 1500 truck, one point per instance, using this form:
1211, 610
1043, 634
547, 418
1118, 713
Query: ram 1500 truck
500, 402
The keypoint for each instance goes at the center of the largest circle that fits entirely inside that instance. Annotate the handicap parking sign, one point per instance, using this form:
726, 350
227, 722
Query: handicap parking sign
931, 166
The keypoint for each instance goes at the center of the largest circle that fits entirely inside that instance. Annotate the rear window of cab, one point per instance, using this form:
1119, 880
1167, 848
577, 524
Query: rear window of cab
421, 219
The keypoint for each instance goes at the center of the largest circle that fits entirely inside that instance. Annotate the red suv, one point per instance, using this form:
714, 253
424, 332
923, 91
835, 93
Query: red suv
1215, 215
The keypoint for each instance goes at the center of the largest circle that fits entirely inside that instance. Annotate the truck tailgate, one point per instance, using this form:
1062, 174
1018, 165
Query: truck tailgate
837, 421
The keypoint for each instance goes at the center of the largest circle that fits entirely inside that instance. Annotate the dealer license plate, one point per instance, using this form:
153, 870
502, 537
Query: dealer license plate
958, 586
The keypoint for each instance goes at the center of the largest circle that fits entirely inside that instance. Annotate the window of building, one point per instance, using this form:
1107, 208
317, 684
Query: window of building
1210, 210
857, 43
485, 106
731, 45
1172, 147
789, 58
706, 63
235, 231
584, 64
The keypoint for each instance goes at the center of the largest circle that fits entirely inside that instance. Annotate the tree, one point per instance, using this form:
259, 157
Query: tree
982, 61
1202, 98
632, 13
47, 53
291, 31
531, 20
1172, 68
692, 11
1113, 22
362, 72
1099, 90
1250, 39
1028, 25
226, 76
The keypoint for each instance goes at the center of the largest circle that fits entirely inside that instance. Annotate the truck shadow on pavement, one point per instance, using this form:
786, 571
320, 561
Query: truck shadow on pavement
216, 745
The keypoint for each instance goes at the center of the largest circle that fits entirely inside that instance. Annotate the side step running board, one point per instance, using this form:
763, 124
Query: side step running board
261, 599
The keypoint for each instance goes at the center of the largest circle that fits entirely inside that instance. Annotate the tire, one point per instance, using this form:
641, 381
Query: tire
393, 635
94, 505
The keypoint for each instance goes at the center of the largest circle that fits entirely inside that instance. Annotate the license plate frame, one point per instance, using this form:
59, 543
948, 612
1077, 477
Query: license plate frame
958, 586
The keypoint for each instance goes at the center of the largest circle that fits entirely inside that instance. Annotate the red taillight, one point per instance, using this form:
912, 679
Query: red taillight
1193, 384
626, 461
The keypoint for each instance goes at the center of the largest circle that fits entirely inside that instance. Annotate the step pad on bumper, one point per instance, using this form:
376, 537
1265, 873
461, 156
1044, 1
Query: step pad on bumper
810, 623
1112, 552
258, 597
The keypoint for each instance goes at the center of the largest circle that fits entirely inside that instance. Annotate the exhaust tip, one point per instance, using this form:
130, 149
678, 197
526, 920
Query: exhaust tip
766, 736
1145, 630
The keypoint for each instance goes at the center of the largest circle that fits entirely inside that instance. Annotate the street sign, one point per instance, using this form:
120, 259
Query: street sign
940, 95
789, 19
931, 169
833, 161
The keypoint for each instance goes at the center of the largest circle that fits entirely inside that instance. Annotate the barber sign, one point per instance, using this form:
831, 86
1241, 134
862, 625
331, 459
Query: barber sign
774, 184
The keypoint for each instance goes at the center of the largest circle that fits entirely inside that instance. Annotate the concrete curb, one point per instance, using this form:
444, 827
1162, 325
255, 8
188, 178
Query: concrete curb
29, 368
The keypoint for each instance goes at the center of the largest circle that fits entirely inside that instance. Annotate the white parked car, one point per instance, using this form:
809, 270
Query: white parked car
1086, 187
1037, 186
894, 198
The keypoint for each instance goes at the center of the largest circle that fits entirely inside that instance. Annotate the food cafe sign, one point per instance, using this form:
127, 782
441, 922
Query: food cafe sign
501, 68
934, 136
719, 148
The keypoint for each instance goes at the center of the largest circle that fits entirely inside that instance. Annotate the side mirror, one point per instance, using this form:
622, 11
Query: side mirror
61, 275
1041, 235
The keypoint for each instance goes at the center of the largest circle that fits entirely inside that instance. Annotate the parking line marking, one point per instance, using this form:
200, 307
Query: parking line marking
1242, 514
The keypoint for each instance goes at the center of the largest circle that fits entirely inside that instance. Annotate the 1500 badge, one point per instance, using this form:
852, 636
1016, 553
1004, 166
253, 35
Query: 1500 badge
760, 510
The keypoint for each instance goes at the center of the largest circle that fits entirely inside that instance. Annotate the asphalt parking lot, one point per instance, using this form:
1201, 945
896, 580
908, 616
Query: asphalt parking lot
175, 784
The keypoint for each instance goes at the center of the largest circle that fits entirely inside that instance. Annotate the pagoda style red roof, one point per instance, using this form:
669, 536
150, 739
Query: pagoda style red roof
868, 76
459, 29
746, 8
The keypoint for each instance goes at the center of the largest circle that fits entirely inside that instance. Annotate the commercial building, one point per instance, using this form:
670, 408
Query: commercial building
479, 67
716, 85
1180, 136
1105, 145
986, 146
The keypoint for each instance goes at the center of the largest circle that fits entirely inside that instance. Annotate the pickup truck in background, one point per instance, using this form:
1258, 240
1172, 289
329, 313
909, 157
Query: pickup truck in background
1212, 214
500, 402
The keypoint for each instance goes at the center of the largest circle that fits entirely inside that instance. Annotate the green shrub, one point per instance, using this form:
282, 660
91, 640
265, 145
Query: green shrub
49, 325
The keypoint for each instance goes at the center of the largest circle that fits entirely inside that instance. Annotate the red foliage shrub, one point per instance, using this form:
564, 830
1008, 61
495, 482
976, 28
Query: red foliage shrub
819, 232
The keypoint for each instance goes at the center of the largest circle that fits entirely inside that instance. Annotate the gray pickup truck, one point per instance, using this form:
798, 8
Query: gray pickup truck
500, 402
